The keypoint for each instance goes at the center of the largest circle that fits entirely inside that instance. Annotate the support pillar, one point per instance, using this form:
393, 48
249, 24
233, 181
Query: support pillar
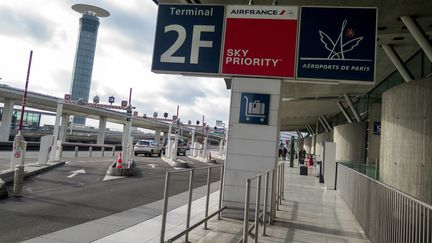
63, 127
102, 130
168, 145
344, 112
250, 153
157, 137
6, 120
353, 109
418, 35
56, 131
397, 62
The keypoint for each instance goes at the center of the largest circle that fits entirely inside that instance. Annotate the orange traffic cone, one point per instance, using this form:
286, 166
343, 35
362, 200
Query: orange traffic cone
119, 161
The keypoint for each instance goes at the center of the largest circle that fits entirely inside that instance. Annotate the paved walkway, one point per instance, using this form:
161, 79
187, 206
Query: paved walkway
309, 213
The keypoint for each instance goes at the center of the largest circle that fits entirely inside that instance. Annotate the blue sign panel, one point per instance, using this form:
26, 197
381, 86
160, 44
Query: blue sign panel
254, 108
188, 38
337, 44
377, 128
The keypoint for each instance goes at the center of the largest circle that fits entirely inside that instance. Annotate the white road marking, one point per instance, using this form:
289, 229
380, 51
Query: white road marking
76, 172
109, 177
152, 165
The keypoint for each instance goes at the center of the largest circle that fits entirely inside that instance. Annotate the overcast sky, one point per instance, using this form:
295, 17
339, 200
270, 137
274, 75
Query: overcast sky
122, 60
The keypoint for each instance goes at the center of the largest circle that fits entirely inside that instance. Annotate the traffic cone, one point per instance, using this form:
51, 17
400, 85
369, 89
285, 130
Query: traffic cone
119, 161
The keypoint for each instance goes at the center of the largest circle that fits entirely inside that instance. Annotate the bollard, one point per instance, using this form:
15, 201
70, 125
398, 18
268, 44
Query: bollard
113, 150
103, 151
90, 151
18, 180
76, 151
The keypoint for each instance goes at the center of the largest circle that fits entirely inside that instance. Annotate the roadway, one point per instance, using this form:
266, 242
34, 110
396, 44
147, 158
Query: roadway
64, 197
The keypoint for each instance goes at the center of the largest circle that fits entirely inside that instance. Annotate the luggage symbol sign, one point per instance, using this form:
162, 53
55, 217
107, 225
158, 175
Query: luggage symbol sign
254, 108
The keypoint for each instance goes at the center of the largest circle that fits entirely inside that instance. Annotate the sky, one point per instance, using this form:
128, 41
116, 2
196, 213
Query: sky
122, 59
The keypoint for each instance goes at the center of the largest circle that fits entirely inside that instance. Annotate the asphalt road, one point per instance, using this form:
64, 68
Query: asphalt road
63, 197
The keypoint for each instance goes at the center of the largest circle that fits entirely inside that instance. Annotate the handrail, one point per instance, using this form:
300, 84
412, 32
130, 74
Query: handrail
385, 213
279, 170
189, 228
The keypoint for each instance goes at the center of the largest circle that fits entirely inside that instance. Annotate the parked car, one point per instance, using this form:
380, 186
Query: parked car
147, 147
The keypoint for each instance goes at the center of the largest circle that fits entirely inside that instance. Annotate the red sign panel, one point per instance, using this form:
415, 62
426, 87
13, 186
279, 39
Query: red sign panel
260, 41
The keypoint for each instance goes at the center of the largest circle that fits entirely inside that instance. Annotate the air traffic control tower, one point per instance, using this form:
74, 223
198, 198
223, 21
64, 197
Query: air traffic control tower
85, 52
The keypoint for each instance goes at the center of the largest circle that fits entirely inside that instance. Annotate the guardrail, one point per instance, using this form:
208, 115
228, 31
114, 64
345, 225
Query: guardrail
261, 217
188, 227
385, 213
88, 148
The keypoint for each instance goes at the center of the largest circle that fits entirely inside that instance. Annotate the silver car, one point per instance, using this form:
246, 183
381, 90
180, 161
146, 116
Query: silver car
147, 147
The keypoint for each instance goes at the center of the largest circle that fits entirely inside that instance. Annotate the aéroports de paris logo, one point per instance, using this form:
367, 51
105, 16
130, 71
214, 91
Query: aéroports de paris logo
337, 48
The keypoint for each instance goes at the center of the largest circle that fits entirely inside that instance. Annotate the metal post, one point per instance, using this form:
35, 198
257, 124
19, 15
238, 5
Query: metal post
246, 213
266, 180
325, 120
344, 112
191, 174
277, 187
113, 150
353, 109
397, 62
76, 151
103, 151
281, 185
165, 208
168, 146
272, 197
90, 151
418, 35
257, 207
283, 181
207, 196
323, 124
18, 180
220, 191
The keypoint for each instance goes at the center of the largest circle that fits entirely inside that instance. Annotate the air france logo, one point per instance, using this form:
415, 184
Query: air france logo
265, 12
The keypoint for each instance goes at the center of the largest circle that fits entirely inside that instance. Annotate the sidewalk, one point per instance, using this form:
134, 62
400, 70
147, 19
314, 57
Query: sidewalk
309, 213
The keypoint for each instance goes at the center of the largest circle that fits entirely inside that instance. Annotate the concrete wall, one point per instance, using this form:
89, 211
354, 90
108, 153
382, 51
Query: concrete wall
322, 137
350, 142
406, 138
374, 140
307, 144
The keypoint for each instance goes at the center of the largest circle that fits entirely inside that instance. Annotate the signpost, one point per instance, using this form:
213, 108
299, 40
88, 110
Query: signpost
188, 38
337, 44
260, 41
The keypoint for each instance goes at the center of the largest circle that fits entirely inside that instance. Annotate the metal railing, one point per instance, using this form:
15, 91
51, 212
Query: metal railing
277, 175
88, 149
385, 213
188, 227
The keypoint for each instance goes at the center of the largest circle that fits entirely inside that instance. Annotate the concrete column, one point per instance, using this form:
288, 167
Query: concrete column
102, 130
56, 131
157, 137
63, 127
406, 138
373, 152
252, 149
320, 138
350, 142
6, 120
307, 144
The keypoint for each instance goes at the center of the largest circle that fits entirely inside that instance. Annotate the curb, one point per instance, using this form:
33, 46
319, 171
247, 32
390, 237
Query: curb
8, 175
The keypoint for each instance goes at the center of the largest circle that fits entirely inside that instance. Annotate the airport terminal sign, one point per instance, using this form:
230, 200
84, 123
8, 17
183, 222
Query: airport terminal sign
188, 38
260, 41
254, 108
337, 44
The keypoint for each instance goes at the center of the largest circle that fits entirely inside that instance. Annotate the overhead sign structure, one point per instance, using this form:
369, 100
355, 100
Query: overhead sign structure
254, 108
260, 41
337, 44
188, 38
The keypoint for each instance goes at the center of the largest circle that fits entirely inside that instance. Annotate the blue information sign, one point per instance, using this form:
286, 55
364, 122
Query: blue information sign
188, 38
377, 128
337, 44
254, 108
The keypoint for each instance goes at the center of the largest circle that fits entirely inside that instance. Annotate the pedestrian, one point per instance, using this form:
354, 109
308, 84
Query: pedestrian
284, 152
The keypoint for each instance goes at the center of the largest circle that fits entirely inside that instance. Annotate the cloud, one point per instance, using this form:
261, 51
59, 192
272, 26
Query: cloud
25, 24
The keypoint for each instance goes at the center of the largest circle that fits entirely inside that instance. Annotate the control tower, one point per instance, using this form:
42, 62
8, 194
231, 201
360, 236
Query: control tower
85, 51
